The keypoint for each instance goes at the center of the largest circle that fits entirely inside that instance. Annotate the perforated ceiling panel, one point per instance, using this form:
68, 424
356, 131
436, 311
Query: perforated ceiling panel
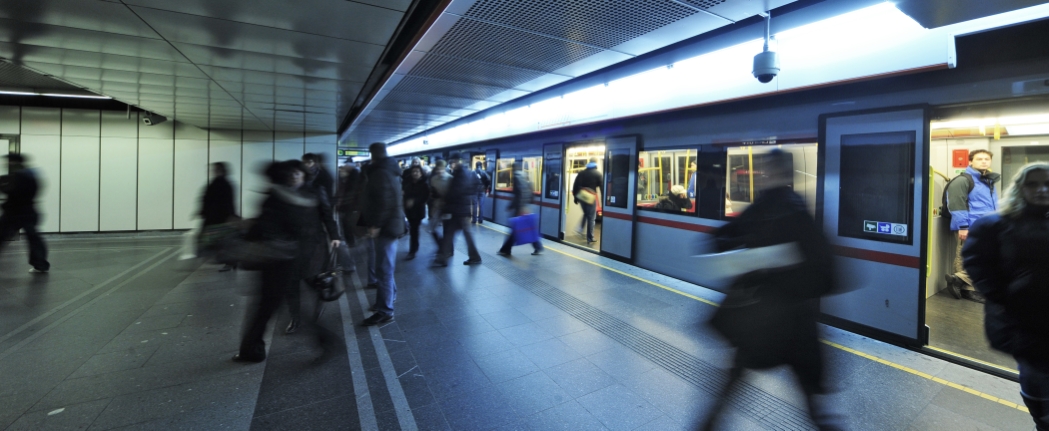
475, 72
703, 4
492, 43
602, 23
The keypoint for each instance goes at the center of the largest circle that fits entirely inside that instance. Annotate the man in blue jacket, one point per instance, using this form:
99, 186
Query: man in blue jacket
970, 196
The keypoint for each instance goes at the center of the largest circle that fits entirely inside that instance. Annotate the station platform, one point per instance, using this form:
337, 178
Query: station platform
122, 334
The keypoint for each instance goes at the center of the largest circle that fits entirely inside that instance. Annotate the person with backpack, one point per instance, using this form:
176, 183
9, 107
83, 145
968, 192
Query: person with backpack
966, 198
586, 191
484, 187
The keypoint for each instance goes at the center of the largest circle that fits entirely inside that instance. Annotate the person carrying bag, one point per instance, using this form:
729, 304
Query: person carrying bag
525, 226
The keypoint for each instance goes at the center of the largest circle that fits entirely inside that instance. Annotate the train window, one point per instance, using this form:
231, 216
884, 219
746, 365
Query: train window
503, 180
877, 186
617, 178
660, 173
746, 175
533, 169
552, 159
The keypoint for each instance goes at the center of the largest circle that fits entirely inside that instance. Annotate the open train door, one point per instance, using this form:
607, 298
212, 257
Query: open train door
487, 208
874, 211
550, 196
617, 224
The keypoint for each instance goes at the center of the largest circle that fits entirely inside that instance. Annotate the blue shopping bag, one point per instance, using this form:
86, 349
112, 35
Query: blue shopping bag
525, 228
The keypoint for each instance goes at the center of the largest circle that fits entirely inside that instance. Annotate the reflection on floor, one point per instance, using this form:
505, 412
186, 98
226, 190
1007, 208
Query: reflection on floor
956, 325
573, 237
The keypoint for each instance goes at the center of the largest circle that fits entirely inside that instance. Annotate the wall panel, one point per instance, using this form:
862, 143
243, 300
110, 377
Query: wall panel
81, 122
155, 183
80, 180
253, 183
118, 182
191, 177
41, 121
117, 124
288, 146
10, 120
45, 154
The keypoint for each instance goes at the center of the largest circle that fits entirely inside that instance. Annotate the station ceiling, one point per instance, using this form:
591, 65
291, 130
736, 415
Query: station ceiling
228, 64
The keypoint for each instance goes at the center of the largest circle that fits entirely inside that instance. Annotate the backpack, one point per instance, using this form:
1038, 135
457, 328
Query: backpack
485, 182
944, 212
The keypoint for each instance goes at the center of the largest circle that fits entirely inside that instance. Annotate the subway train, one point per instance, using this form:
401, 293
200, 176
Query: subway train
871, 158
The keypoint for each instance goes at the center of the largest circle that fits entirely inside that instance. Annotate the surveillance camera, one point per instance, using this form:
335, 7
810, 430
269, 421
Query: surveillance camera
153, 119
766, 66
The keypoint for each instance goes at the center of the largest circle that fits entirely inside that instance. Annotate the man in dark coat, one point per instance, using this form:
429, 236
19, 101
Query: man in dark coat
458, 204
520, 205
416, 194
383, 214
770, 315
19, 211
319, 178
587, 184
217, 207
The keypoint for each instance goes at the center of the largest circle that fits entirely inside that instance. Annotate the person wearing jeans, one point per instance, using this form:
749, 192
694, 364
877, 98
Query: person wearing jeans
383, 213
461, 191
589, 182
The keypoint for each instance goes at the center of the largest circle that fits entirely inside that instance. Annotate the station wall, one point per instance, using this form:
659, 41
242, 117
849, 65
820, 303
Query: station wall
105, 171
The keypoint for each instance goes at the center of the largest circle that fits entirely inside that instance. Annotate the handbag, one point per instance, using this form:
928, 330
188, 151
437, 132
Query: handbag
326, 283
525, 228
587, 196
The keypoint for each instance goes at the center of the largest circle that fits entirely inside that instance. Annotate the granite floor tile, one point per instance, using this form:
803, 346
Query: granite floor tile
74, 417
618, 408
503, 366
485, 344
549, 353
430, 418
338, 413
480, 409
533, 393
567, 416
579, 377
116, 361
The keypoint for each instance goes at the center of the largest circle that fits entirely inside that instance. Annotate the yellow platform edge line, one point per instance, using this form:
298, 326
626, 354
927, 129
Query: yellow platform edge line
829, 343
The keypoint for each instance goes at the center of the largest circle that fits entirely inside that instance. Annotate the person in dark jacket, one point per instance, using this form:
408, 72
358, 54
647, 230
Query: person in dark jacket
319, 177
588, 181
289, 214
520, 204
351, 185
19, 211
457, 203
1007, 256
970, 196
770, 315
675, 201
416, 194
217, 207
484, 187
383, 214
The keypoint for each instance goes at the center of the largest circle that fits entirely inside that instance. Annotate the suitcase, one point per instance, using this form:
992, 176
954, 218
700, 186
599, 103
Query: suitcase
525, 228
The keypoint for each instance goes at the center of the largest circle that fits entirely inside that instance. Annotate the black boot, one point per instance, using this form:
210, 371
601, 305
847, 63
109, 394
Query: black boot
1039, 411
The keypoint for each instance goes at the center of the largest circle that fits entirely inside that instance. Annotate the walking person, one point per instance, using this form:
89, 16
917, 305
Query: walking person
383, 214
322, 236
439, 181
1006, 256
770, 315
484, 187
457, 204
217, 207
19, 211
289, 214
968, 197
416, 193
347, 199
586, 190
520, 204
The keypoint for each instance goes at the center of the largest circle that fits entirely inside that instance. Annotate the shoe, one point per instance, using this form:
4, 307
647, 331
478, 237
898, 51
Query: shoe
973, 296
376, 319
372, 286
439, 263
952, 285
410, 256
472, 262
292, 326
537, 253
226, 268
239, 358
37, 271
590, 241
372, 308
479, 221
503, 253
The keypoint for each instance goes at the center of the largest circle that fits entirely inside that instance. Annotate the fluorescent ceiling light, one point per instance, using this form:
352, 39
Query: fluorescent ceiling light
1028, 129
33, 93
18, 93
972, 123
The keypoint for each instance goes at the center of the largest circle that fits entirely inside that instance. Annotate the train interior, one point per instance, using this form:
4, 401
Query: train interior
576, 159
1016, 134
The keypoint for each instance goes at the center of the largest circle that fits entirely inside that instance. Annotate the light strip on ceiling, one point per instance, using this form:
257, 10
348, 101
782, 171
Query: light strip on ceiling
33, 93
709, 77
1028, 129
972, 123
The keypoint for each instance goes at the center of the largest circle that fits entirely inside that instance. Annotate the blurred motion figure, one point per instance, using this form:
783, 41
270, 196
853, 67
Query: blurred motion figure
770, 315
19, 211
1007, 257
216, 207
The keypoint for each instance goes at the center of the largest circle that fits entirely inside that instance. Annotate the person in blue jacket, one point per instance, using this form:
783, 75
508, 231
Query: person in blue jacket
970, 196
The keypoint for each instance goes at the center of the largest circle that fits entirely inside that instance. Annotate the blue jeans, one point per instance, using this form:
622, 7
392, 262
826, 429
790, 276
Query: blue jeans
589, 218
477, 213
385, 255
1034, 386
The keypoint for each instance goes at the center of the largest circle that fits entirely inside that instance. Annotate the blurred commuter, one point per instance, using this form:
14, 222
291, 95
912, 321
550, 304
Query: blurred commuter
383, 214
416, 193
692, 180
319, 178
675, 201
520, 204
770, 315
347, 200
408, 169
484, 187
1006, 255
19, 211
321, 235
440, 179
217, 207
457, 203
969, 196
585, 192
290, 213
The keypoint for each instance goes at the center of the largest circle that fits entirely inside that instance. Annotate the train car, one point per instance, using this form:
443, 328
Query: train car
871, 159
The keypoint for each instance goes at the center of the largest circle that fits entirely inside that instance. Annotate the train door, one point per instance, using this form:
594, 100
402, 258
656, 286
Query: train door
488, 160
574, 228
550, 199
617, 226
874, 197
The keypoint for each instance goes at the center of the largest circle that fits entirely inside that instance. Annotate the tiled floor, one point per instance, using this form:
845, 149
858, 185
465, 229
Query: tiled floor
122, 334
